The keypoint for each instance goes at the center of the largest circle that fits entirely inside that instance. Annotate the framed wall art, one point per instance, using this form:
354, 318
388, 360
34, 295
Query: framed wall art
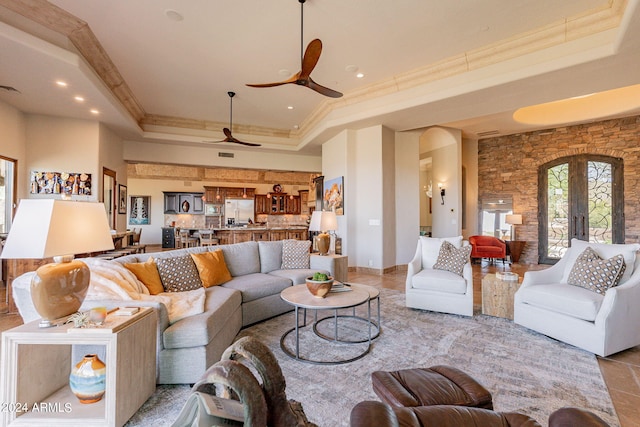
139, 213
72, 183
122, 199
333, 195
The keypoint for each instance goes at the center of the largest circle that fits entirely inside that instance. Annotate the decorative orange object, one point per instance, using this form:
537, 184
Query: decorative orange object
88, 379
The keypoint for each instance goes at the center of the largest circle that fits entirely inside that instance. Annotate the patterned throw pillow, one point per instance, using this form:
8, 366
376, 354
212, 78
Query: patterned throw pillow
451, 258
592, 272
295, 254
178, 274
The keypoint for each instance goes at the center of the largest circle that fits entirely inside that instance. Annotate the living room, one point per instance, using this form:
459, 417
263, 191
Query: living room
374, 140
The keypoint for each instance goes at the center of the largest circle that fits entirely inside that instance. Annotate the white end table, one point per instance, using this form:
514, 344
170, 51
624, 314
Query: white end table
36, 363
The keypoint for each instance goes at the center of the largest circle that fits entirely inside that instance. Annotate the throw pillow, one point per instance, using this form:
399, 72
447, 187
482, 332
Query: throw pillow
211, 268
592, 272
430, 247
147, 273
295, 254
178, 274
451, 258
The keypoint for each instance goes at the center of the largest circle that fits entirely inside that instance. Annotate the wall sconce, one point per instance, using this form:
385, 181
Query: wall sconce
441, 187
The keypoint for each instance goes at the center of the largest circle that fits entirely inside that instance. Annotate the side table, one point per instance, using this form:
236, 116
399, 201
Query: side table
340, 263
497, 296
515, 249
36, 363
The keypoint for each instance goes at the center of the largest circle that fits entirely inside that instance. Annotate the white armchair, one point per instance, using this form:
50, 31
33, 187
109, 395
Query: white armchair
438, 290
601, 324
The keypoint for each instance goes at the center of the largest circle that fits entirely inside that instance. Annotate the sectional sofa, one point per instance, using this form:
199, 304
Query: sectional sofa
187, 347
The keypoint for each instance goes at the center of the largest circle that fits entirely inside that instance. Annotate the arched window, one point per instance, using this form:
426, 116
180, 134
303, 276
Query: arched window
579, 197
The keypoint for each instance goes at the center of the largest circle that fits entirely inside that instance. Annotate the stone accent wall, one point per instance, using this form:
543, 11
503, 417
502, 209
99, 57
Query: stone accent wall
508, 166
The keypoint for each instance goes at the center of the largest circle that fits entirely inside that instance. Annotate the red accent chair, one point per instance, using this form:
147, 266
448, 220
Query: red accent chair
488, 247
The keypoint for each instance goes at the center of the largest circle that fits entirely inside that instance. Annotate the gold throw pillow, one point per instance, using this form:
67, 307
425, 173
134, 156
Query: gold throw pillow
147, 273
212, 268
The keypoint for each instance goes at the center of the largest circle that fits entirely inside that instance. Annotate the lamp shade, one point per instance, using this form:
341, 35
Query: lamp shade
514, 219
323, 221
46, 228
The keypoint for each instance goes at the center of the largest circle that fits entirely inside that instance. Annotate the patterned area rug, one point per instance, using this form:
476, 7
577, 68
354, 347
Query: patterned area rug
526, 372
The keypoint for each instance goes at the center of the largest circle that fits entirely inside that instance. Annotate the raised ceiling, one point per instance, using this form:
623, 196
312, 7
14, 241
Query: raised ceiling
160, 70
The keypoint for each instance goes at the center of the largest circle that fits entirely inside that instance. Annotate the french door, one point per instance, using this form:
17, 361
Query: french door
579, 197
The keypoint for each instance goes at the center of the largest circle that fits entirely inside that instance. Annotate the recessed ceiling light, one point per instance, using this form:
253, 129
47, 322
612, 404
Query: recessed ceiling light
173, 15
360, 75
290, 107
94, 111
78, 98
61, 83
351, 68
296, 127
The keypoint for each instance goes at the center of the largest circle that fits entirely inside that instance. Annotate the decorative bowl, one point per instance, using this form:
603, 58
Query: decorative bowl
319, 288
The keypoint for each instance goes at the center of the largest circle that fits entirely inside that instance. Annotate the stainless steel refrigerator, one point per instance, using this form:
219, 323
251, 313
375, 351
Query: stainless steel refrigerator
239, 211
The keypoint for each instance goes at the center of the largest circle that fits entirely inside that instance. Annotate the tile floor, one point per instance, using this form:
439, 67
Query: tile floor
621, 371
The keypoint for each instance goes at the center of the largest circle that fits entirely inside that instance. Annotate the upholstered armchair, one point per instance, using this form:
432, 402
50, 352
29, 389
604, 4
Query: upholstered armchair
602, 323
434, 289
487, 247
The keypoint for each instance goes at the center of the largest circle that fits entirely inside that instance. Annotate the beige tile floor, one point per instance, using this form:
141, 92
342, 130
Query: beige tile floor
621, 371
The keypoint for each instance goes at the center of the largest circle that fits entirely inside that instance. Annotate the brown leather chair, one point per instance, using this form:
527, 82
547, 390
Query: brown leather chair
370, 413
488, 247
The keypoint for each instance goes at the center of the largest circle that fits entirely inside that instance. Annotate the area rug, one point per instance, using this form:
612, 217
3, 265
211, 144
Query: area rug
526, 372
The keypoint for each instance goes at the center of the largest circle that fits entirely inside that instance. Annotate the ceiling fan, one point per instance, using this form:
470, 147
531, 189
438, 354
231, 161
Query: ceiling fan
309, 61
227, 131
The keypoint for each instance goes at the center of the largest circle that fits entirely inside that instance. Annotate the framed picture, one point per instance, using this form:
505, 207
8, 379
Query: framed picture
139, 213
122, 199
333, 195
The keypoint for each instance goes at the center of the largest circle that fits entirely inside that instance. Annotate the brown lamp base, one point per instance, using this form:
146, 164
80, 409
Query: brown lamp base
58, 290
323, 242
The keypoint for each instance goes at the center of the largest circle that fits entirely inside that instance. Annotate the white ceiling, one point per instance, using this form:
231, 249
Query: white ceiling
184, 69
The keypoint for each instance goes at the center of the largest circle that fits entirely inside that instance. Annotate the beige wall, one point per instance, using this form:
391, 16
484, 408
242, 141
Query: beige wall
110, 156
470, 225
13, 143
408, 194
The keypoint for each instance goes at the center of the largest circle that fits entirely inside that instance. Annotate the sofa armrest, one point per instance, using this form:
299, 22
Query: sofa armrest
372, 413
619, 306
552, 274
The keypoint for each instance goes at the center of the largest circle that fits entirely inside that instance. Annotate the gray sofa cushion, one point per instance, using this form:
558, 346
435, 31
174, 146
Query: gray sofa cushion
298, 275
199, 330
258, 285
270, 255
242, 258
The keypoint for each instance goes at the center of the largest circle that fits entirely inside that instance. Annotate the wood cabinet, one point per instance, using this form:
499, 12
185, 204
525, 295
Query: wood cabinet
277, 235
260, 235
242, 236
277, 204
262, 204
297, 234
211, 193
292, 205
224, 237
304, 202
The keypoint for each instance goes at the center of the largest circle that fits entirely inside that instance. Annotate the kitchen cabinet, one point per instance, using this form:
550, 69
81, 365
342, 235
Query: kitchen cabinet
277, 235
297, 234
277, 204
304, 202
183, 203
211, 193
242, 236
292, 205
260, 235
224, 237
170, 203
168, 237
262, 204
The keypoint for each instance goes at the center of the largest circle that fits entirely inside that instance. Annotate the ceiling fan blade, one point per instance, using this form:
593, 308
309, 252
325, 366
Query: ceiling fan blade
322, 89
310, 58
230, 138
292, 79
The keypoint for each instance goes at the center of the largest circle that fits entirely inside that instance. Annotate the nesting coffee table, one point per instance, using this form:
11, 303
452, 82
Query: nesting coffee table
357, 295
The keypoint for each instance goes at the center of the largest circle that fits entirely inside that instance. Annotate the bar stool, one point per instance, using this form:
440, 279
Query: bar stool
186, 240
206, 238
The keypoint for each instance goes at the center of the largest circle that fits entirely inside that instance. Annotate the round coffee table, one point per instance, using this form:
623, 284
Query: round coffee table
300, 297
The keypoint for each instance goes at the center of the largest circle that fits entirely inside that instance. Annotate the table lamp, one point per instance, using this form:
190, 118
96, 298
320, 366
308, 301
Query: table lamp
44, 228
323, 221
513, 219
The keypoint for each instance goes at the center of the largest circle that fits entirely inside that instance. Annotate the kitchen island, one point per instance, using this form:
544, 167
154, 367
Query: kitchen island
227, 235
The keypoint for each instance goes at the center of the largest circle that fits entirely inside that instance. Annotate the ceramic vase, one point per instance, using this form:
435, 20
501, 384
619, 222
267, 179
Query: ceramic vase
88, 379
